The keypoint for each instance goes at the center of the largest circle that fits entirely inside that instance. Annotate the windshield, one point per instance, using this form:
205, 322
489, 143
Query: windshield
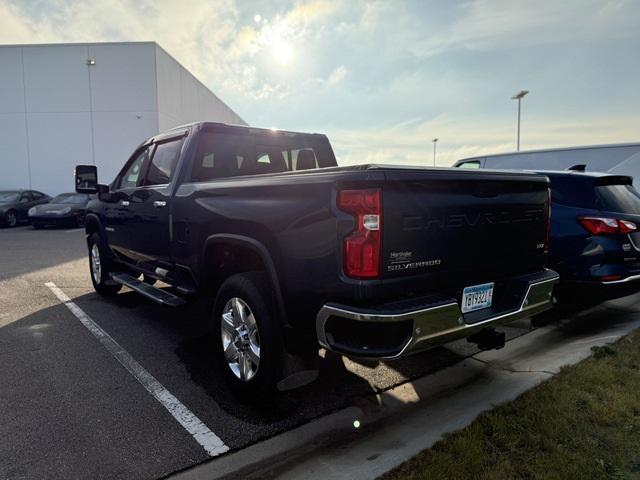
618, 198
74, 198
7, 197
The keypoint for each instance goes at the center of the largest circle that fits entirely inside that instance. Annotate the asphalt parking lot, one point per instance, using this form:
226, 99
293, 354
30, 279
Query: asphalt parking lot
71, 410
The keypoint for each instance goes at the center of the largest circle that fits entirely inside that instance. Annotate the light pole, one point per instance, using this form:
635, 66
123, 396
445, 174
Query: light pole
519, 96
435, 140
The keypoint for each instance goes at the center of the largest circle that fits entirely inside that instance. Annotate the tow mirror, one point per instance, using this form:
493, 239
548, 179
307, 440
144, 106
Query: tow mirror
86, 179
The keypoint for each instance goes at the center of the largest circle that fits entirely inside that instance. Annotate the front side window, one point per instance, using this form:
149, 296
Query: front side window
131, 176
26, 197
163, 163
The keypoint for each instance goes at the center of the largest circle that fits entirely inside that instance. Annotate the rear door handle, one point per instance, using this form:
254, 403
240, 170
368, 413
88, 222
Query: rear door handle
159, 203
125, 203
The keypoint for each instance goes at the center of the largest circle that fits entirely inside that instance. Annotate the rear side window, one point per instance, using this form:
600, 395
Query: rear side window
163, 162
618, 198
220, 156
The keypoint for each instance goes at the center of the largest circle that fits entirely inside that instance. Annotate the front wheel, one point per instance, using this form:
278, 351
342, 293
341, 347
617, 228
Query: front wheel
11, 218
247, 337
100, 267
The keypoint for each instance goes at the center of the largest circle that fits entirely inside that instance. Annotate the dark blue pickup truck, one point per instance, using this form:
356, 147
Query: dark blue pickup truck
296, 253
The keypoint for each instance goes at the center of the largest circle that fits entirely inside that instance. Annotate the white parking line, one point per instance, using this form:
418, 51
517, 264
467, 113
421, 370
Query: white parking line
74, 230
212, 444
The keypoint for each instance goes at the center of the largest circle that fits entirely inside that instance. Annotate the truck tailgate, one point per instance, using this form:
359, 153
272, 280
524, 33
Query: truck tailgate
452, 227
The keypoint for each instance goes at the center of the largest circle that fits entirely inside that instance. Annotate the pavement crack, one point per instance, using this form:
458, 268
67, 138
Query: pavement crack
512, 370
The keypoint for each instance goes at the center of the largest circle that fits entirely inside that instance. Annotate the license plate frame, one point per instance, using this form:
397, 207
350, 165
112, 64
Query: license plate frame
477, 297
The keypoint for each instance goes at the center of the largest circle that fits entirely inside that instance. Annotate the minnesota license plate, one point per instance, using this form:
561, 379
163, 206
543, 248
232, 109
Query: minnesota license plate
477, 297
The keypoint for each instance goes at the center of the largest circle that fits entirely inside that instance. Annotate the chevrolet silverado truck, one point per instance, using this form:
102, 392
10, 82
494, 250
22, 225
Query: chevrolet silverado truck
297, 254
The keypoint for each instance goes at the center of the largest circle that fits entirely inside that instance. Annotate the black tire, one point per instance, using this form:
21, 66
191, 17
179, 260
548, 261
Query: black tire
253, 289
99, 278
11, 219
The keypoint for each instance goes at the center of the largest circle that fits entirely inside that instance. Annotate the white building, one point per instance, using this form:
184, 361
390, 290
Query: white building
67, 104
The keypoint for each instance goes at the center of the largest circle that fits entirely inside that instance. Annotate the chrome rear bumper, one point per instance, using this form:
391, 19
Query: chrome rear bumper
436, 322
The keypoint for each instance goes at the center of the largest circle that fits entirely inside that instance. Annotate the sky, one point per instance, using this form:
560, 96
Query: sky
384, 78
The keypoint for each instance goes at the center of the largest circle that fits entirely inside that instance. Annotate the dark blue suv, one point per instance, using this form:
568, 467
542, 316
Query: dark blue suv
595, 238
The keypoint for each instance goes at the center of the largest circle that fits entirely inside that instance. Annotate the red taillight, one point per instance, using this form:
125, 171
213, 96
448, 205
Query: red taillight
605, 225
626, 226
610, 278
362, 247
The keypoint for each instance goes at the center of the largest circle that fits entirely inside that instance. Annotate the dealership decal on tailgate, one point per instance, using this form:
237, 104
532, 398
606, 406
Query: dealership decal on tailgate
477, 297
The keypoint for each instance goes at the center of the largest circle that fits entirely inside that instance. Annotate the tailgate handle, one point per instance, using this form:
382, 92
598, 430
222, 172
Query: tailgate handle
486, 190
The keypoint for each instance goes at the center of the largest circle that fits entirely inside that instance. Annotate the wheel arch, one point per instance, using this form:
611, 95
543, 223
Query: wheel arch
222, 244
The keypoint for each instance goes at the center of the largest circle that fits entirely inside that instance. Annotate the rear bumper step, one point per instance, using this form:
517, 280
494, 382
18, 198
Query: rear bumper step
153, 293
392, 332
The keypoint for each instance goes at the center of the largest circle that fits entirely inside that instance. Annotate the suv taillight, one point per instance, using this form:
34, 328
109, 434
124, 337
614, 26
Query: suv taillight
363, 246
606, 225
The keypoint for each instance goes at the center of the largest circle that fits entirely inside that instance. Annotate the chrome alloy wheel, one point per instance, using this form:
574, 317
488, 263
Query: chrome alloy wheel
240, 339
96, 266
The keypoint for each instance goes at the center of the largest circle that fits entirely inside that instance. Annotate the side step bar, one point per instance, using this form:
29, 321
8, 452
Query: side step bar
156, 294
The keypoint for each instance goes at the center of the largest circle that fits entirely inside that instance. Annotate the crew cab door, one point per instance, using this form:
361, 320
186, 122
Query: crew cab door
147, 218
116, 214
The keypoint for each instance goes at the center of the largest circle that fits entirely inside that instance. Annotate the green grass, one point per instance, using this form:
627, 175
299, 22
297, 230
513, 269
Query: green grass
582, 424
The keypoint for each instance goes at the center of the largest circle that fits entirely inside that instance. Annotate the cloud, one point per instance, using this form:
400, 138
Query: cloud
209, 38
337, 75
485, 25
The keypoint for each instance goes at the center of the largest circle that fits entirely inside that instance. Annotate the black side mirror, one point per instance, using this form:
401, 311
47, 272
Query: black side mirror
86, 179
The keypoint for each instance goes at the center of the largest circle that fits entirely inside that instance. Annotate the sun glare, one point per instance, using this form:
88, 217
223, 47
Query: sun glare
281, 51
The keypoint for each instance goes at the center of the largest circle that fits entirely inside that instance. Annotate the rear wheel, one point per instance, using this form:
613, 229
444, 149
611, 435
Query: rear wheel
247, 339
11, 218
100, 267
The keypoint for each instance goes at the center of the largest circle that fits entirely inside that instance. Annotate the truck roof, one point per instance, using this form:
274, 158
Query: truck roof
236, 127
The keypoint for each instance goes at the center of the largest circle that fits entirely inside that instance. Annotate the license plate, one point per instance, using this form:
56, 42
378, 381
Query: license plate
477, 297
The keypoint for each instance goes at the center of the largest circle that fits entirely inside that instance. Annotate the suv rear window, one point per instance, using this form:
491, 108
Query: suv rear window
618, 198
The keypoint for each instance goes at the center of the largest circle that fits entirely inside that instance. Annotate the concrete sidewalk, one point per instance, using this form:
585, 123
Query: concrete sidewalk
381, 432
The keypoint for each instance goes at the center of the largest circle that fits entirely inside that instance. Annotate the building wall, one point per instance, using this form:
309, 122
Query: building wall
56, 111
182, 98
